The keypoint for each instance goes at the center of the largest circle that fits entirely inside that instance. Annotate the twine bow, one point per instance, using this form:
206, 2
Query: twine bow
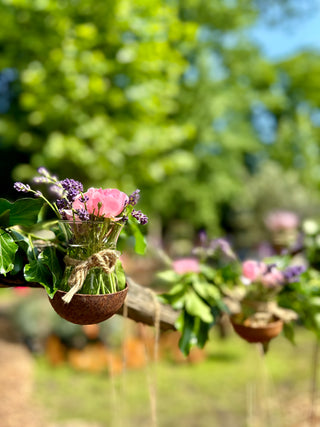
105, 259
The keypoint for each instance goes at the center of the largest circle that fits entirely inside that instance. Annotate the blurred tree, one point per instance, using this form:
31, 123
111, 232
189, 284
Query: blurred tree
169, 96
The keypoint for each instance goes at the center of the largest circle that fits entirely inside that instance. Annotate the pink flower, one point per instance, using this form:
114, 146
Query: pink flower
253, 270
186, 265
273, 278
259, 272
108, 203
282, 220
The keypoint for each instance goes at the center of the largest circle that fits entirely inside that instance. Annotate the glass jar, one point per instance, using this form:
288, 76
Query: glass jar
85, 238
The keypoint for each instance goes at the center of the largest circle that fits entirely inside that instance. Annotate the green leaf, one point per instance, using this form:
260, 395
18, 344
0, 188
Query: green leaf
19, 262
8, 249
209, 272
5, 218
5, 205
207, 291
175, 297
37, 271
45, 270
168, 276
140, 241
186, 323
43, 234
195, 306
25, 211
288, 331
49, 258
202, 332
120, 274
178, 289
24, 243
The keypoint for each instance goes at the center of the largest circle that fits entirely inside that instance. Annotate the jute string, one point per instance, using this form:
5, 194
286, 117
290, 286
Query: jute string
152, 374
105, 259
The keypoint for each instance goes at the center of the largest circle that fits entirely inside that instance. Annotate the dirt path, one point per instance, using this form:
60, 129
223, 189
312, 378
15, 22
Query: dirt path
16, 381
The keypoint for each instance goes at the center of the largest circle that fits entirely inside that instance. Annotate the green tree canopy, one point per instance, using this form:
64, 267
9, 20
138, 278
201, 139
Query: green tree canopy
168, 96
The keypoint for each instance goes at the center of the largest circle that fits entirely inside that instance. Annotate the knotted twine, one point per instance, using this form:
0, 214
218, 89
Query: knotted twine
105, 259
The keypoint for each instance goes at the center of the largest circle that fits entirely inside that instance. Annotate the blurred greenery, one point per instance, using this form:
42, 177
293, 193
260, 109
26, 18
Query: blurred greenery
169, 96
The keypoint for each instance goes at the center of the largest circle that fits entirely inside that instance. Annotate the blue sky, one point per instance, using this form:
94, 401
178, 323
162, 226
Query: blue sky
285, 40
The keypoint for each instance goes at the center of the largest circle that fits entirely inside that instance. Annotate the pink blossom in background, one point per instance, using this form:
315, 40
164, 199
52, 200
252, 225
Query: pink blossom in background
112, 202
253, 270
273, 278
282, 220
186, 265
268, 275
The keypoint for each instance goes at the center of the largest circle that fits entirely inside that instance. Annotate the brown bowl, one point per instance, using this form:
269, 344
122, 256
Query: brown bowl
258, 335
88, 309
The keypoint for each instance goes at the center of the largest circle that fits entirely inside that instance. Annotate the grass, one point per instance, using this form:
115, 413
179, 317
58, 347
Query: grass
235, 386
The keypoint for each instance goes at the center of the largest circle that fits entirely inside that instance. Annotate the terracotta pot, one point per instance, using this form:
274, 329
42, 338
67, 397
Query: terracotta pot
88, 309
261, 334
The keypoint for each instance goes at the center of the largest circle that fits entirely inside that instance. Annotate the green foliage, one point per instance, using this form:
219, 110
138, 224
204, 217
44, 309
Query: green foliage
8, 249
156, 94
17, 250
307, 304
200, 302
45, 269
140, 243
23, 212
120, 275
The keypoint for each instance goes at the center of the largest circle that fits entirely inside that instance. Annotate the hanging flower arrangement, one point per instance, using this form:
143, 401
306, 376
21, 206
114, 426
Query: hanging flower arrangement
259, 317
76, 252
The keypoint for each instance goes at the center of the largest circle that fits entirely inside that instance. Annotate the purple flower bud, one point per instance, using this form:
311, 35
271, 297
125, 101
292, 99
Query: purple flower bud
83, 198
224, 246
19, 186
43, 171
83, 214
291, 273
140, 217
63, 204
203, 238
38, 194
41, 180
57, 189
72, 188
134, 198
124, 219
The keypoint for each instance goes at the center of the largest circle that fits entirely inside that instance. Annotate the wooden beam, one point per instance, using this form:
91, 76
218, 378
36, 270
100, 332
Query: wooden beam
143, 306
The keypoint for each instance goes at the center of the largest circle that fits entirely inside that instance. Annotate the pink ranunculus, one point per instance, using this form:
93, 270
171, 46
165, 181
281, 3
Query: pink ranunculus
253, 270
112, 202
186, 265
273, 278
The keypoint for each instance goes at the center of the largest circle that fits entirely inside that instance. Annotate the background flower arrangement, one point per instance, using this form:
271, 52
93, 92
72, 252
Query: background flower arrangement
217, 282
86, 225
197, 290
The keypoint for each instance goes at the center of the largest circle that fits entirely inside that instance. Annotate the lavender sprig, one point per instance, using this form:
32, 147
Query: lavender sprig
82, 214
134, 198
140, 217
21, 187
291, 274
25, 188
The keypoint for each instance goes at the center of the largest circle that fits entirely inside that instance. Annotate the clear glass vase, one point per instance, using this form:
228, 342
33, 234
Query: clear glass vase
85, 238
